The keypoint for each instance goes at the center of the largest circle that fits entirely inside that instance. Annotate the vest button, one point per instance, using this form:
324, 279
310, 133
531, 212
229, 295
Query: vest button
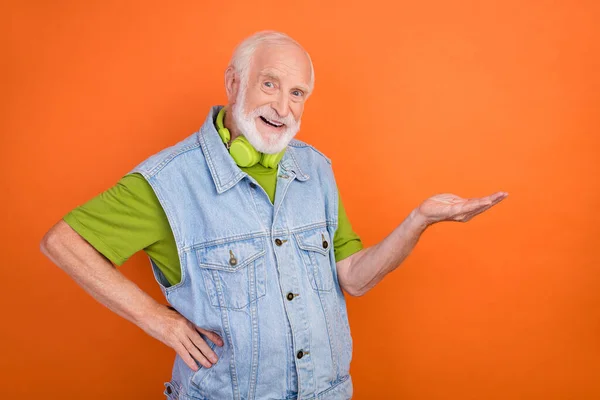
253, 185
325, 244
169, 390
300, 354
290, 296
278, 242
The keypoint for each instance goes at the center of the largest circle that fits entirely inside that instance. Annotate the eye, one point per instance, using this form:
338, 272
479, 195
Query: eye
297, 93
269, 84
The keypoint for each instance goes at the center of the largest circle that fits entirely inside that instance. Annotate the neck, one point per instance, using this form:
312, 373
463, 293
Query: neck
230, 124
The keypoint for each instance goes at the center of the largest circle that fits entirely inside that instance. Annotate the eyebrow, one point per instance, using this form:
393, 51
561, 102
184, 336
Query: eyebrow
271, 75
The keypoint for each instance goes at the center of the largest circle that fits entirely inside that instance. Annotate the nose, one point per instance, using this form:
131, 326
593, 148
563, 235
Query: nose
281, 106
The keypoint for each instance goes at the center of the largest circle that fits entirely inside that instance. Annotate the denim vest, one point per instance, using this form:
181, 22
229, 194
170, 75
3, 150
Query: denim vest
261, 275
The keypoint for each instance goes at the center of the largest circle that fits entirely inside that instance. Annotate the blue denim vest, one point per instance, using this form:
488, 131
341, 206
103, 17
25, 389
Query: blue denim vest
261, 275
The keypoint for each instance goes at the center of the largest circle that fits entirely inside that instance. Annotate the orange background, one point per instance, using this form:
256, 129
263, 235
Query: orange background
412, 99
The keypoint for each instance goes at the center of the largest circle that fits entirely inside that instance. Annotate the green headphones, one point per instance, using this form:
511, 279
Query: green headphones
242, 151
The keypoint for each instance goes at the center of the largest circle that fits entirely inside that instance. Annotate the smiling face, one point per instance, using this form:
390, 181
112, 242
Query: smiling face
270, 99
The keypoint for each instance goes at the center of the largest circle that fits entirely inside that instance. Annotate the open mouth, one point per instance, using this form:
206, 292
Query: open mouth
271, 123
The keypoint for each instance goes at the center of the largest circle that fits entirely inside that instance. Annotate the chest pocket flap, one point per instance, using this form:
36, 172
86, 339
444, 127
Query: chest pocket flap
231, 256
315, 246
234, 272
316, 240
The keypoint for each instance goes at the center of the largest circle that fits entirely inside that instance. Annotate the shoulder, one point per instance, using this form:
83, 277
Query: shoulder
136, 185
306, 150
152, 165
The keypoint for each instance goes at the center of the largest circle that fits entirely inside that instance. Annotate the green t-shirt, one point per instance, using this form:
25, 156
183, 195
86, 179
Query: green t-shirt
128, 218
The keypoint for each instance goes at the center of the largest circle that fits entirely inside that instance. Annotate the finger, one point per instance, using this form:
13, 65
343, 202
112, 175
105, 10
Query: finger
494, 199
212, 336
473, 205
497, 197
470, 215
482, 204
197, 354
186, 357
197, 340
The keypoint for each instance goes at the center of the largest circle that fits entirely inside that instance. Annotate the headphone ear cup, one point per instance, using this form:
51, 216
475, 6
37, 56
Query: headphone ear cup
243, 153
271, 160
225, 135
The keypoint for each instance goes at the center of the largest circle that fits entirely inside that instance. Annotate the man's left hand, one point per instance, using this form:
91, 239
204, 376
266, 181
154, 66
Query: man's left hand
449, 207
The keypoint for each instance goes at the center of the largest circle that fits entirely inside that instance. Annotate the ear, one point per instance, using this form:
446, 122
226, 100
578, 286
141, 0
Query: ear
232, 84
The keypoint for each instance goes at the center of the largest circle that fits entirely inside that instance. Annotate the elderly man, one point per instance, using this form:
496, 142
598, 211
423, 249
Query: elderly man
248, 240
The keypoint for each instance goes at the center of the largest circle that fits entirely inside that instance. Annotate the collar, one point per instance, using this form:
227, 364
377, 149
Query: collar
224, 171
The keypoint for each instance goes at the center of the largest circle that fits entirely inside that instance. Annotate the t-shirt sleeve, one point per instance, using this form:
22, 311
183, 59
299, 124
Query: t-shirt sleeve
345, 241
120, 221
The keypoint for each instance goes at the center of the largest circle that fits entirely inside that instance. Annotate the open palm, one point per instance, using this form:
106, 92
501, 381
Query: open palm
449, 207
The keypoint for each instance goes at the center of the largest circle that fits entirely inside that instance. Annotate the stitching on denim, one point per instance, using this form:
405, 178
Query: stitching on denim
255, 332
301, 172
309, 227
177, 237
221, 187
234, 180
229, 269
281, 197
208, 158
330, 332
232, 369
304, 228
229, 239
312, 266
313, 248
183, 268
300, 144
208, 371
255, 208
170, 157
155, 273
331, 389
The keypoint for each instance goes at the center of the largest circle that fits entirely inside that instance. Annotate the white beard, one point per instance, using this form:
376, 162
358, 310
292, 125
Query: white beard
246, 123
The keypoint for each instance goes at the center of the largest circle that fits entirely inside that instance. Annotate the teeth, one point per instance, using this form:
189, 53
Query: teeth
274, 123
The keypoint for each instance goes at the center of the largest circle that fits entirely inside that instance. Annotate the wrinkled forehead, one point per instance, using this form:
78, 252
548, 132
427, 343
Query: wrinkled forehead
287, 62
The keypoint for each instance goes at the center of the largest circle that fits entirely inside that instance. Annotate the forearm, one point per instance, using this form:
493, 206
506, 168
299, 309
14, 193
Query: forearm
368, 267
96, 275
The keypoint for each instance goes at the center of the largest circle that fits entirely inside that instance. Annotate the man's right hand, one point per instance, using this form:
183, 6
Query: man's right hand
97, 276
174, 330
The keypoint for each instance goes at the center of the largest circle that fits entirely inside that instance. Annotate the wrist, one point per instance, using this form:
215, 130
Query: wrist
419, 221
149, 314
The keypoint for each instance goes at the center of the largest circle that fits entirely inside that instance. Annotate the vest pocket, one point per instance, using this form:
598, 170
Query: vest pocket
315, 246
234, 272
201, 379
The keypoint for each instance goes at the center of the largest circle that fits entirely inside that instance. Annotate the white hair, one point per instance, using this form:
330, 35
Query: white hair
242, 55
